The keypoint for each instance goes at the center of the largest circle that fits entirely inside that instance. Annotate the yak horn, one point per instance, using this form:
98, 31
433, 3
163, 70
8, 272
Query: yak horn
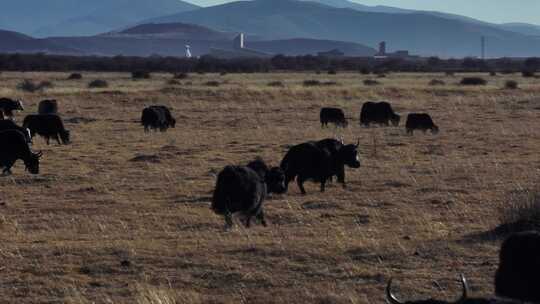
358, 143
465, 291
390, 297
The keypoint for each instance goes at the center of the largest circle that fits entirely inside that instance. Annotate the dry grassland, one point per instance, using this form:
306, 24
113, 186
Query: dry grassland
97, 227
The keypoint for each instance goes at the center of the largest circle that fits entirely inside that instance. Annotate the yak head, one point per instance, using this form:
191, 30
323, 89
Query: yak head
434, 129
274, 178
32, 162
392, 299
349, 155
275, 181
19, 105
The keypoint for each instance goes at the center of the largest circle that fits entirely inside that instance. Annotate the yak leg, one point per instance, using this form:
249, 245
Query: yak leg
7, 168
300, 181
57, 139
288, 179
323, 183
248, 221
228, 221
260, 217
341, 176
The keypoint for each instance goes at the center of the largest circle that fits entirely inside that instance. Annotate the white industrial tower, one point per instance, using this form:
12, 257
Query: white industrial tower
188, 51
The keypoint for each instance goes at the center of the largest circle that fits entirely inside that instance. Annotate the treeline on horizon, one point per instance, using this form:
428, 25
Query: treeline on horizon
208, 64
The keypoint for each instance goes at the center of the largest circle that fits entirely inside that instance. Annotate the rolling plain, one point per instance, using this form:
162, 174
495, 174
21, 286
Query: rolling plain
122, 216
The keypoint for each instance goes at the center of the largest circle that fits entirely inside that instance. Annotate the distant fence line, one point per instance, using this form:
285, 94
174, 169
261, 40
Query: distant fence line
207, 64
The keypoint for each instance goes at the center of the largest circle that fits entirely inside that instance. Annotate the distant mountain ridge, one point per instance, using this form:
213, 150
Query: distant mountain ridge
44, 18
169, 39
172, 30
522, 28
421, 33
13, 42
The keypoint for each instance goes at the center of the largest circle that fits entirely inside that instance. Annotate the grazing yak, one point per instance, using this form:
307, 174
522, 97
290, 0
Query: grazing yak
157, 117
243, 189
47, 126
333, 115
519, 268
7, 106
379, 113
11, 125
420, 121
14, 147
48, 106
319, 161
516, 279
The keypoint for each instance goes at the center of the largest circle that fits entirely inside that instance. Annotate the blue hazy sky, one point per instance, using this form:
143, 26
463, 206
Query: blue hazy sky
497, 11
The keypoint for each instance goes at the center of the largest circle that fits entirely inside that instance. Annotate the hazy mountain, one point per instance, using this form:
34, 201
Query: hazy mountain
172, 31
76, 17
13, 42
524, 28
26, 16
169, 39
362, 7
421, 33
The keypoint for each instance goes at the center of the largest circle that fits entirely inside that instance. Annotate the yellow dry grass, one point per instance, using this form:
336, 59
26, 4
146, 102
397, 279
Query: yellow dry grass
96, 227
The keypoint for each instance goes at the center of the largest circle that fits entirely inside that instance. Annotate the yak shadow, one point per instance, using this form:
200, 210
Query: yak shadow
501, 232
193, 200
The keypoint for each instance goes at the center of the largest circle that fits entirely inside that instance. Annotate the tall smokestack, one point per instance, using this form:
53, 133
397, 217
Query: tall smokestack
382, 48
239, 41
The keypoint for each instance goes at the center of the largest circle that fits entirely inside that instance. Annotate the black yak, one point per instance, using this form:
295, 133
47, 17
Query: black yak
333, 115
319, 161
420, 121
48, 106
11, 125
243, 189
379, 113
157, 117
519, 268
14, 147
47, 126
8, 105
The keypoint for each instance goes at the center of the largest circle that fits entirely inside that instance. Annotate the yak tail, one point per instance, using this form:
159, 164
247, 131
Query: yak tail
220, 197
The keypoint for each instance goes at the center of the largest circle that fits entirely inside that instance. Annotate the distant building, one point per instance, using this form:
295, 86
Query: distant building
382, 48
237, 50
332, 53
402, 54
